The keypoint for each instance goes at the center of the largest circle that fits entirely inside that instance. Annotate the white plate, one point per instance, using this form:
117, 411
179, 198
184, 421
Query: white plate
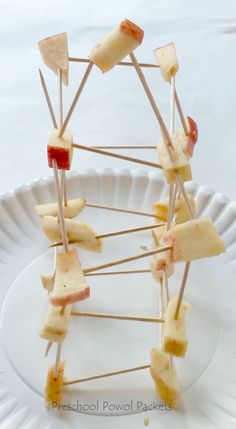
207, 374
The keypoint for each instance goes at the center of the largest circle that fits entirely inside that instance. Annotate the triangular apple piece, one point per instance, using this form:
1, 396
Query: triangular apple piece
54, 50
70, 284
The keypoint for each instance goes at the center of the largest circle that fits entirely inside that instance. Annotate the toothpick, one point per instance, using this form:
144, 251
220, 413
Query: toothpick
48, 348
60, 208
122, 63
116, 155
116, 317
129, 259
76, 98
172, 104
170, 205
161, 308
64, 187
182, 288
99, 206
58, 358
107, 374
45, 90
130, 230
181, 115
63, 173
126, 147
184, 193
115, 233
112, 273
166, 285
166, 136
172, 125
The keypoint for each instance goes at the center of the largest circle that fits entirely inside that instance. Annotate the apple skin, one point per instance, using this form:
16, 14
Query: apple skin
192, 135
62, 301
128, 27
61, 155
192, 129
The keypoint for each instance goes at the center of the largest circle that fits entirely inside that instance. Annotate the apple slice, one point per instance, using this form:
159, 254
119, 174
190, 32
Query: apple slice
174, 337
194, 239
77, 232
47, 281
71, 210
116, 45
55, 325
188, 142
160, 209
164, 377
60, 149
167, 60
70, 285
54, 386
180, 163
54, 50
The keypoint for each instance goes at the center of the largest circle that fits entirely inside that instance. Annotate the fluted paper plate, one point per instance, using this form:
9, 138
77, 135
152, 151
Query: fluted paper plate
207, 374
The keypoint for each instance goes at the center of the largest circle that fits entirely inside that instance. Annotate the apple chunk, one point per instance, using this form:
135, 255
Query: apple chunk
54, 50
70, 285
174, 337
55, 325
160, 209
194, 239
54, 386
116, 45
180, 163
167, 60
60, 149
164, 377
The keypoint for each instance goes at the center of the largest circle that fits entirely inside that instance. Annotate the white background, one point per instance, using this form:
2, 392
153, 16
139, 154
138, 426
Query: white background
113, 108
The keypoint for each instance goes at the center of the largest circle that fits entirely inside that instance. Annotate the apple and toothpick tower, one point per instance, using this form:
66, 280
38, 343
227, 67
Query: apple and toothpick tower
176, 235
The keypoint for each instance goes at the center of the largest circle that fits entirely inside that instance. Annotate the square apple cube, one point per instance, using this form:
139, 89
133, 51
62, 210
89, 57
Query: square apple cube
60, 149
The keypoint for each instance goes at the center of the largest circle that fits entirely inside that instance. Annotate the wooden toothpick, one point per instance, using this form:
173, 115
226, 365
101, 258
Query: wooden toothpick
116, 155
115, 233
182, 288
58, 359
45, 90
115, 209
116, 316
130, 230
60, 208
125, 260
107, 374
122, 63
76, 98
181, 115
146, 88
63, 172
48, 348
112, 273
126, 147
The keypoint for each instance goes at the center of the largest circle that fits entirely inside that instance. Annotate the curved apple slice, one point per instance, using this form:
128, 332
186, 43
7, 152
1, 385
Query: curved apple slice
77, 231
71, 210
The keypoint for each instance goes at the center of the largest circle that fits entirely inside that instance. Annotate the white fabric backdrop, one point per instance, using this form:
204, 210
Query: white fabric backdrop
113, 108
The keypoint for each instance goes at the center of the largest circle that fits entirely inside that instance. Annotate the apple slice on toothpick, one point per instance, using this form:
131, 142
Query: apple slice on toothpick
54, 51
